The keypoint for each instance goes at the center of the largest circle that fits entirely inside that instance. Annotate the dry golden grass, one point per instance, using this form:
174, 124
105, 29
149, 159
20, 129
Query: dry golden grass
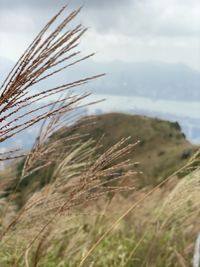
80, 175
74, 184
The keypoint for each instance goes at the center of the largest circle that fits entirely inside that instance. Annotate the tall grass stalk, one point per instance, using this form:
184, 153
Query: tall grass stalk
196, 260
80, 174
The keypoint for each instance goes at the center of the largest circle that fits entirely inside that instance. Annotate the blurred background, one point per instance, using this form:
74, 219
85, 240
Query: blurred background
150, 50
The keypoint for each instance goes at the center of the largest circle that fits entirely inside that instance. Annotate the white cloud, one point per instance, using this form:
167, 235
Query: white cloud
12, 21
110, 47
12, 45
137, 30
150, 17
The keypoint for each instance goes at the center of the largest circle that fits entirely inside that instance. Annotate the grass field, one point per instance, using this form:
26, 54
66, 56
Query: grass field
116, 190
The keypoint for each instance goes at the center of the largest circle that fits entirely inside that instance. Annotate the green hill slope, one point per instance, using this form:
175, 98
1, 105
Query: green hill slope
162, 149
159, 231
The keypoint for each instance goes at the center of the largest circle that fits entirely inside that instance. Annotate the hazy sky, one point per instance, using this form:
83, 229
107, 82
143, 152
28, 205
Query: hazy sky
125, 30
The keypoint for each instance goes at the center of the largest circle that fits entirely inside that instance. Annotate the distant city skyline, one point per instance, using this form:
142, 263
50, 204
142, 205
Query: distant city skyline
129, 31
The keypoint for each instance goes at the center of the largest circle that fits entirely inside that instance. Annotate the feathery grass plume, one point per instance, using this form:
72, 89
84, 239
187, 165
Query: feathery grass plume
21, 105
80, 175
46, 151
49, 54
78, 179
12, 154
177, 220
184, 200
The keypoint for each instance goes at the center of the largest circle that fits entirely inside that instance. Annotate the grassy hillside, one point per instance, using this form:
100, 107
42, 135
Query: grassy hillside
163, 148
161, 227
64, 204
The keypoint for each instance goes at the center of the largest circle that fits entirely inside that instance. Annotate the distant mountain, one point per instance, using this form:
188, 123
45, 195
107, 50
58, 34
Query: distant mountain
155, 80
152, 80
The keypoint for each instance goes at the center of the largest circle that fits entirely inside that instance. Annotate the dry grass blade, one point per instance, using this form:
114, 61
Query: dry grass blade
175, 205
180, 259
77, 180
12, 154
48, 150
80, 174
130, 209
18, 99
26, 260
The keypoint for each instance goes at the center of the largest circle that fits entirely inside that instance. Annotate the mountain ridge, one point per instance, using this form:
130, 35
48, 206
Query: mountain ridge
155, 80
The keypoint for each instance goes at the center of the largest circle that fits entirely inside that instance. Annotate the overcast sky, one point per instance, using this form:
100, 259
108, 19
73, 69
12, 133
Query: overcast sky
125, 30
